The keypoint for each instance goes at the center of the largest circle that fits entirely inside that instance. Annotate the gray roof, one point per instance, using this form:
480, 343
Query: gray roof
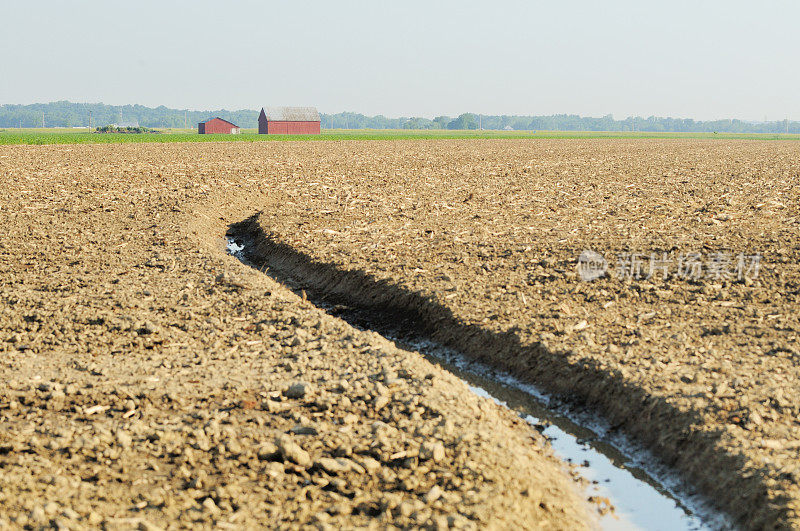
291, 114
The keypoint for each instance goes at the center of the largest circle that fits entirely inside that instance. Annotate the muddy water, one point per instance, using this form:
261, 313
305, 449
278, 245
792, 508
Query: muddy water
620, 476
644, 494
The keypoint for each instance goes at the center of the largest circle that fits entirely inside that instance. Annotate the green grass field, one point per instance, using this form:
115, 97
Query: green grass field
81, 136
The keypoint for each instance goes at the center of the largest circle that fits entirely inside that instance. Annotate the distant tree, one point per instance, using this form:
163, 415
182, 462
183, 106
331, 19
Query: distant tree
442, 121
418, 123
464, 121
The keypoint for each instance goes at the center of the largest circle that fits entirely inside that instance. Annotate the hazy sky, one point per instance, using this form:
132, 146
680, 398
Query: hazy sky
700, 59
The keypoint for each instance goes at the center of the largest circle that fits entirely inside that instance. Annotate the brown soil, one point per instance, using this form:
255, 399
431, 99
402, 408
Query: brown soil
480, 240
148, 380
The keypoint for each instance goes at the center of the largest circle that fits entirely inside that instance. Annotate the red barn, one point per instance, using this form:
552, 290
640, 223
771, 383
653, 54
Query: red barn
288, 121
215, 126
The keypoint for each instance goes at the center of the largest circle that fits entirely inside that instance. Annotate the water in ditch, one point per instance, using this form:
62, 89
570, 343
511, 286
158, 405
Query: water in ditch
644, 494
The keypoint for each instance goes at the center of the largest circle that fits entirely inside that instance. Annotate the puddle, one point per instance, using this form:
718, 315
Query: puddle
644, 494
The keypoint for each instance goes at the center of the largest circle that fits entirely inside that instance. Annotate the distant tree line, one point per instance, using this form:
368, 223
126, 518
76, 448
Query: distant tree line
67, 114
557, 122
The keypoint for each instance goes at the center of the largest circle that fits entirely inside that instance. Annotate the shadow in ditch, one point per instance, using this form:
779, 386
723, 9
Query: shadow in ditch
610, 411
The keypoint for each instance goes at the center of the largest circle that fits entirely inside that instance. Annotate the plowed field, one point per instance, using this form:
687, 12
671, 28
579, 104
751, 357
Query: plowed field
148, 378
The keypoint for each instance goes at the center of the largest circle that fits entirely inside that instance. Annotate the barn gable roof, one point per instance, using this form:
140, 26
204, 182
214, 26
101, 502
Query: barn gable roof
218, 118
291, 114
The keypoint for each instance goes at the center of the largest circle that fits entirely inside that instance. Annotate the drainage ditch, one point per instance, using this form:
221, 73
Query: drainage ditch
643, 493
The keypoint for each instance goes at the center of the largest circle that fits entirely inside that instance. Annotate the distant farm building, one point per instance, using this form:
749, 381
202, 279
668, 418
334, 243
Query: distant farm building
217, 126
288, 121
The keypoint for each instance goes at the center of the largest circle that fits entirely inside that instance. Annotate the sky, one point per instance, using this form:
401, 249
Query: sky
702, 59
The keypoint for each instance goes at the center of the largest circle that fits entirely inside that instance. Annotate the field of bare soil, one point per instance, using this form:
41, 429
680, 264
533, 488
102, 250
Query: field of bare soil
149, 380
689, 342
